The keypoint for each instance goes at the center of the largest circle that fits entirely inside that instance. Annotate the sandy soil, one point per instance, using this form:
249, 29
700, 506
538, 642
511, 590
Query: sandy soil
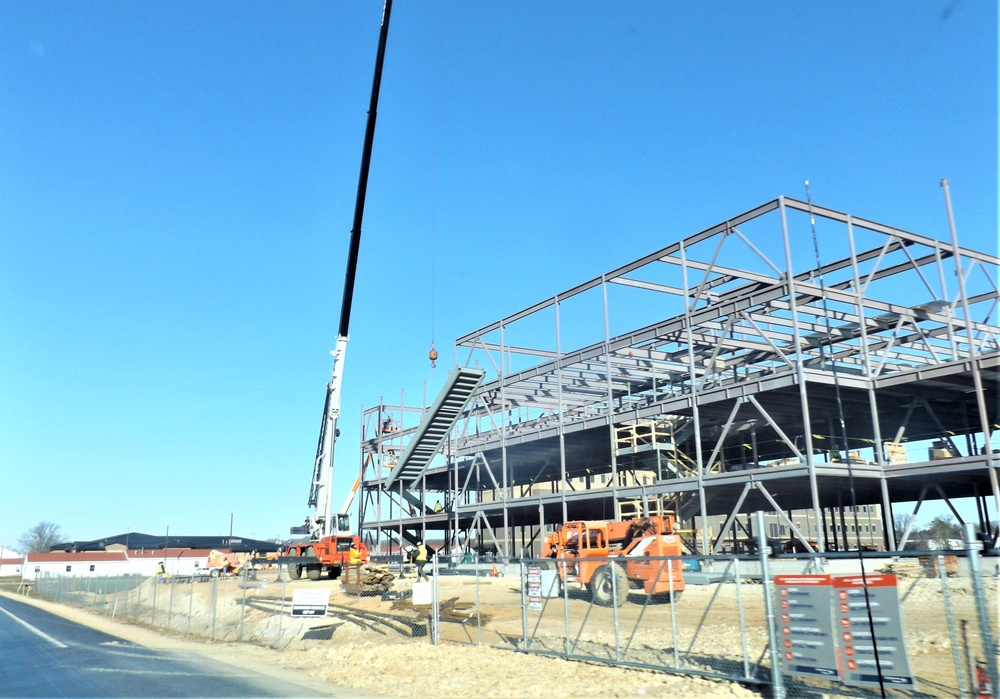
359, 662
376, 647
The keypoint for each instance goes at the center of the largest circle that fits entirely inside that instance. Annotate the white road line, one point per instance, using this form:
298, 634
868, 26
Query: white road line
32, 629
165, 673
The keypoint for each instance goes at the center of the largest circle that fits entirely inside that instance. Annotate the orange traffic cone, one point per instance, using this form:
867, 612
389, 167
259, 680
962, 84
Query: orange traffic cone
494, 573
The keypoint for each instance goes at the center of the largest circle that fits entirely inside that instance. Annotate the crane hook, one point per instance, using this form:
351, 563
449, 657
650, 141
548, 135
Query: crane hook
433, 355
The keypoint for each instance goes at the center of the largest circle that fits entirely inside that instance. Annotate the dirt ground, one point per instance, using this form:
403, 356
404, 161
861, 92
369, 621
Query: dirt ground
379, 647
370, 661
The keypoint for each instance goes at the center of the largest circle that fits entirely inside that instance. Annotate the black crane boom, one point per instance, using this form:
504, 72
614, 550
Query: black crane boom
366, 158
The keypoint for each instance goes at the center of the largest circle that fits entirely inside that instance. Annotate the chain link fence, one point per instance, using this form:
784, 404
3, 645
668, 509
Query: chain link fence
790, 625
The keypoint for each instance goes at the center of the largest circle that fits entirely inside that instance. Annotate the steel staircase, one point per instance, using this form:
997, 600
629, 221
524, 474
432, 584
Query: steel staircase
435, 426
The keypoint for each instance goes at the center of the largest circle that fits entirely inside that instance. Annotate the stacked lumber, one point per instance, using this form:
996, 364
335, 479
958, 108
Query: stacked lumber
922, 566
905, 568
930, 564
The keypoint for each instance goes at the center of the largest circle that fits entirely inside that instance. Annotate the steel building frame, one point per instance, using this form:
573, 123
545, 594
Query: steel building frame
780, 360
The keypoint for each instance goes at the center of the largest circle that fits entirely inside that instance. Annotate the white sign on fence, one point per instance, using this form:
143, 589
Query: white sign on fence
310, 601
534, 588
422, 593
540, 583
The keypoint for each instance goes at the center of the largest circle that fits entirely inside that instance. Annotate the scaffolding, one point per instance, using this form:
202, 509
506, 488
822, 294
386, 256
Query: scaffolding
711, 375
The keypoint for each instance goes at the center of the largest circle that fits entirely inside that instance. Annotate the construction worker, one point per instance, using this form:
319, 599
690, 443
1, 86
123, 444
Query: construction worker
354, 556
421, 560
437, 506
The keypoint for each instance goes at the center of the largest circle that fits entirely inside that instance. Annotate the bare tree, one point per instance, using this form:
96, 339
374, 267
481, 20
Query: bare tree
941, 532
899, 522
41, 538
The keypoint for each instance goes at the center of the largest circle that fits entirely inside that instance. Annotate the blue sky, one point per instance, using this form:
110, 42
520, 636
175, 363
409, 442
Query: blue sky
177, 184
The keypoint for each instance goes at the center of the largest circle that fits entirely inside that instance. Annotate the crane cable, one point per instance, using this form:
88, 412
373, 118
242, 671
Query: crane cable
843, 436
433, 354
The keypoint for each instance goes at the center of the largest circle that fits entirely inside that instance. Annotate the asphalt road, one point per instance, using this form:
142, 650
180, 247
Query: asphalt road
44, 655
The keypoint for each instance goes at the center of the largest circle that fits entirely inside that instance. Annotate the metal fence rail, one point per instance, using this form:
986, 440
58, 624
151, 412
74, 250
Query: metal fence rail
732, 621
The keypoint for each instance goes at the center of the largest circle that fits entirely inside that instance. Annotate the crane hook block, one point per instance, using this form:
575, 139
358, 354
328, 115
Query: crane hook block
433, 355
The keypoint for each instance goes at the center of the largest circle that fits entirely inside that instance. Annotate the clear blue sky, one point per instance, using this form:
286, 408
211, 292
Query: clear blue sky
177, 182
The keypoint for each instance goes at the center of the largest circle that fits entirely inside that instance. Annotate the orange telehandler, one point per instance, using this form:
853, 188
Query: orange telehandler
578, 548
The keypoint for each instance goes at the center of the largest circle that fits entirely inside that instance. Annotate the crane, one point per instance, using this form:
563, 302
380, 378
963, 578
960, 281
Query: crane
318, 524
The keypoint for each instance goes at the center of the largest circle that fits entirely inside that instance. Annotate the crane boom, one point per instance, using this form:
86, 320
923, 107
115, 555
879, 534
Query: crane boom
318, 525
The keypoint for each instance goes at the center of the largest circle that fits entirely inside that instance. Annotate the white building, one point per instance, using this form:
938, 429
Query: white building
11, 565
175, 561
90, 564
144, 562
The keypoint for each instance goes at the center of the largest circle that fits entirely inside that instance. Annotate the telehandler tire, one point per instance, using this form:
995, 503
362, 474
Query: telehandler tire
294, 571
665, 597
313, 571
605, 593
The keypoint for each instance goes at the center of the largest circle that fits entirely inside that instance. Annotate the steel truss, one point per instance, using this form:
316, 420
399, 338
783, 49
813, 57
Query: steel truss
737, 341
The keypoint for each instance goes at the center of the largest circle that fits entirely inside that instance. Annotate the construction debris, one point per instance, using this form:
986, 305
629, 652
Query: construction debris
368, 580
924, 566
450, 610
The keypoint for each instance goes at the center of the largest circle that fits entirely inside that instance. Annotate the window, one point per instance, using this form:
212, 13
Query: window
91, 567
69, 568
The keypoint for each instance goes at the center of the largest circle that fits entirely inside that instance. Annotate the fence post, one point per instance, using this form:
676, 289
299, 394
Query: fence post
950, 616
673, 619
137, 604
743, 623
778, 682
435, 611
614, 606
479, 609
524, 602
190, 603
281, 612
170, 602
215, 604
973, 546
243, 607
565, 590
